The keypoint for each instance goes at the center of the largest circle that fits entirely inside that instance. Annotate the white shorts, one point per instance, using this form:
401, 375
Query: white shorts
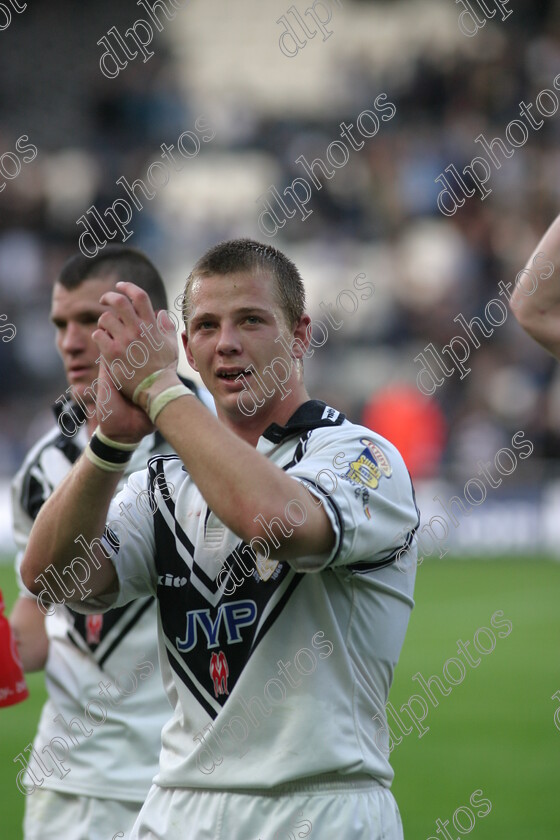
321, 809
50, 815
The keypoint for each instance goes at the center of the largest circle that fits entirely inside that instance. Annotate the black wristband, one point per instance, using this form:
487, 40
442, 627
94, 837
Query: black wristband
108, 453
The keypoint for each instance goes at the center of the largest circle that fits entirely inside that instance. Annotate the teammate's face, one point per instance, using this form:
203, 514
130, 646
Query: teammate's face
74, 313
234, 323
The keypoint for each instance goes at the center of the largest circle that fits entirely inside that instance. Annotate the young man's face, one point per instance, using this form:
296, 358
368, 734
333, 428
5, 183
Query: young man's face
74, 312
234, 323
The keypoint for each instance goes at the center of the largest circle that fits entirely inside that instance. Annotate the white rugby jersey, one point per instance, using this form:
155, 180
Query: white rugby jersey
118, 758
278, 671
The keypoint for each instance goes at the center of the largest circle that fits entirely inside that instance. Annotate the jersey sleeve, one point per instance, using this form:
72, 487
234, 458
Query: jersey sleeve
366, 490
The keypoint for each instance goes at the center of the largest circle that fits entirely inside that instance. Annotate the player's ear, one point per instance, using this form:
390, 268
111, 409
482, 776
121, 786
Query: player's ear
301, 337
188, 354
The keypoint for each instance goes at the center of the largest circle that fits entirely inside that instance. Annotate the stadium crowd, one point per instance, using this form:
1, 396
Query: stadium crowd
381, 218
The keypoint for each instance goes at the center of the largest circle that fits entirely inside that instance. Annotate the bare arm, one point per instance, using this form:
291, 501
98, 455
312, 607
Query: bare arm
249, 485
535, 301
79, 506
28, 626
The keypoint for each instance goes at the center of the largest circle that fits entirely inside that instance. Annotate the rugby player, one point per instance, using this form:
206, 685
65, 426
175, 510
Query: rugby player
81, 781
314, 505
535, 301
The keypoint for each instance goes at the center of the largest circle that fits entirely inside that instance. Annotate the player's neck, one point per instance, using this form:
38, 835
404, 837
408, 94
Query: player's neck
277, 411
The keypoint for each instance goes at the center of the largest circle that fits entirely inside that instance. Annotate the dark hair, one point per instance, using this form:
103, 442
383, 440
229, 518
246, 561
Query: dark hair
126, 264
238, 255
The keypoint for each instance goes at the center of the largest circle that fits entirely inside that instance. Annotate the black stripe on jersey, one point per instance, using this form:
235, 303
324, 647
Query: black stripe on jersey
69, 448
334, 508
415, 505
299, 452
192, 686
181, 536
296, 580
190, 384
111, 621
197, 570
127, 628
174, 534
33, 492
232, 560
32, 496
82, 648
157, 479
362, 568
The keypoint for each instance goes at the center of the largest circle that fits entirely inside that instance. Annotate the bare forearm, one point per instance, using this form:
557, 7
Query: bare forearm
536, 298
77, 507
28, 626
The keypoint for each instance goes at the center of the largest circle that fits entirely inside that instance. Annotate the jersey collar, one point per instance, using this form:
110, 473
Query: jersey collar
60, 406
310, 415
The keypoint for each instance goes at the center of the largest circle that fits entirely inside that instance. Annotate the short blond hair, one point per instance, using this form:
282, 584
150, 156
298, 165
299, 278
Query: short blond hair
236, 255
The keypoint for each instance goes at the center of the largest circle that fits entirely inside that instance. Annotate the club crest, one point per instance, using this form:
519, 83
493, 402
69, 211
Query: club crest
94, 626
369, 466
266, 567
219, 671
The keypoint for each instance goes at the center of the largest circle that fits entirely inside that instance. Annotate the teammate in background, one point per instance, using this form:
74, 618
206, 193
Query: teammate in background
278, 668
538, 311
110, 658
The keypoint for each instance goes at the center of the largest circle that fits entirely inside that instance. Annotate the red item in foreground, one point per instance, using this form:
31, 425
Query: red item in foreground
13, 688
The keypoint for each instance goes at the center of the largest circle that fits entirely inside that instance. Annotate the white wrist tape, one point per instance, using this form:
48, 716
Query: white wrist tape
149, 380
158, 403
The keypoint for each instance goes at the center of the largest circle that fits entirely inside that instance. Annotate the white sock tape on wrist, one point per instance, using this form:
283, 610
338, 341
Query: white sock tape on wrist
149, 380
158, 403
106, 466
125, 447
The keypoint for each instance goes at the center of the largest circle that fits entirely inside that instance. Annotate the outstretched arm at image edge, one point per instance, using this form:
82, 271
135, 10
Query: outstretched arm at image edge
28, 626
535, 301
